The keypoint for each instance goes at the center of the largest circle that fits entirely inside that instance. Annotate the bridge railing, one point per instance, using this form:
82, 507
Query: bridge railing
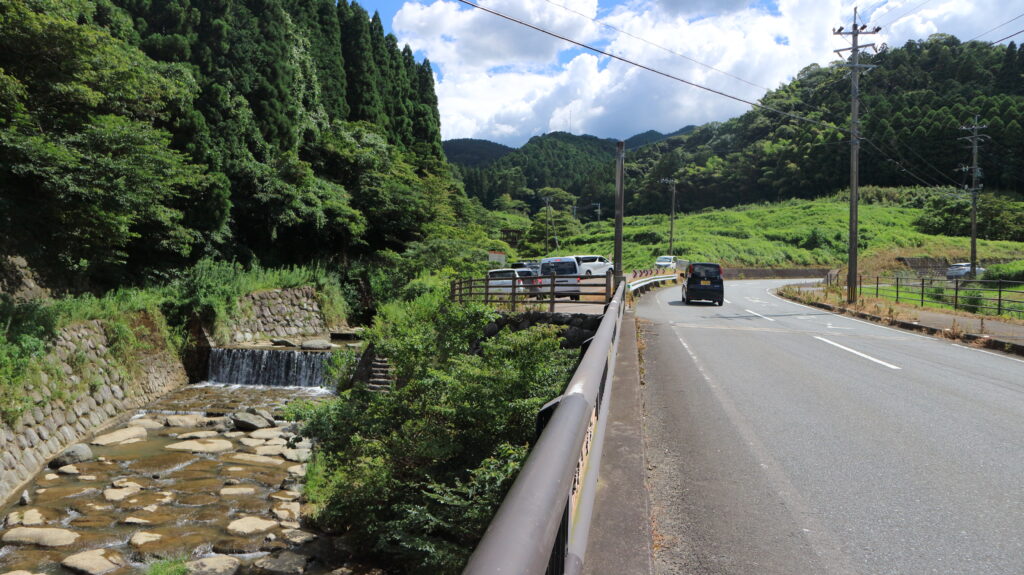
543, 524
534, 292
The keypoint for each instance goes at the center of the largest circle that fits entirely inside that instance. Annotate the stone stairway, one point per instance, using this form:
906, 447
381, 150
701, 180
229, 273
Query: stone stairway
381, 379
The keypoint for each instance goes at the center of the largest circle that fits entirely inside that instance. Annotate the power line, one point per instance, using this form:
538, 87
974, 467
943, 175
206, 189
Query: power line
650, 69
1017, 17
1006, 38
907, 13
644, 40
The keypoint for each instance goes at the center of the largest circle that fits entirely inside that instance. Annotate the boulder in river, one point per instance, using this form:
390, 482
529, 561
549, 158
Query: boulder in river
250, 526
95, 562
243, 421
202, 445
284, 563
317, 345
77, 453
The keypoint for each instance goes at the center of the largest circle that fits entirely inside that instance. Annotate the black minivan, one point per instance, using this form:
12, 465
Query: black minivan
703, 282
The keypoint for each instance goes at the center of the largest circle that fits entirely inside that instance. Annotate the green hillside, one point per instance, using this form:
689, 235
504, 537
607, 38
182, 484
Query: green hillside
793, 233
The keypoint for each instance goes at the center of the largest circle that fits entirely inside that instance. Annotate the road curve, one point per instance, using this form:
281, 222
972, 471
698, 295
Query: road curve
782, 439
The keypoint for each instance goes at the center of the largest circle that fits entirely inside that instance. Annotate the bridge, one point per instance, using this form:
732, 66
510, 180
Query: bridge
769, 437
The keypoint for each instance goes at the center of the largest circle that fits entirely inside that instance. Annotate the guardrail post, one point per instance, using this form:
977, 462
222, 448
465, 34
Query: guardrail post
877, 281
487, 291
956, 294
897, 289
515, 288
999, 286
607, 288
922, 292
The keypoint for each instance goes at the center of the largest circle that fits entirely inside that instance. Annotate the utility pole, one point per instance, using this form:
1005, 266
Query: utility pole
975, 188
620, 195
855, 66
672, 217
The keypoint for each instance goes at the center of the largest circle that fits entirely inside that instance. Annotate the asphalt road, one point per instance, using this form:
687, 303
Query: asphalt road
782, 439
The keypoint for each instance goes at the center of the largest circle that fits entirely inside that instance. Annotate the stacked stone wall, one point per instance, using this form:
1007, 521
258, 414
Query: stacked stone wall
278, 313
53, 424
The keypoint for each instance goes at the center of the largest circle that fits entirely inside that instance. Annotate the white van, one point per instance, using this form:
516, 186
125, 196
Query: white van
567, 276
594, 265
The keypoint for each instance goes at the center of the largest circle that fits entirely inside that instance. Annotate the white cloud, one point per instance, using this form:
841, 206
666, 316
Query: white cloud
505, 82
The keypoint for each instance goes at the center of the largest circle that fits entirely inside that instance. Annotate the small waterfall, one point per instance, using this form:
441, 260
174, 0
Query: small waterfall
272, 367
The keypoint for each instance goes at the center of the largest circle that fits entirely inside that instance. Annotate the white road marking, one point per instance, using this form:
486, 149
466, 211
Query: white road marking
830, 326
759, 315
988, 352
846, 317
855, 352
726, 301
826, 545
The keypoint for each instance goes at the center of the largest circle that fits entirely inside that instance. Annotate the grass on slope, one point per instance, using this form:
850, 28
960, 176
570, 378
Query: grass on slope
794, 233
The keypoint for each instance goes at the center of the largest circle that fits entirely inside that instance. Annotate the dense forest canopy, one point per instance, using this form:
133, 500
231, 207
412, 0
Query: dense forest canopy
137, 136
913, 108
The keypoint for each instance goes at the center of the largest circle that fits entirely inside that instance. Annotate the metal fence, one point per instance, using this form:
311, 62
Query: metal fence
544, 521
993, 297
536, 292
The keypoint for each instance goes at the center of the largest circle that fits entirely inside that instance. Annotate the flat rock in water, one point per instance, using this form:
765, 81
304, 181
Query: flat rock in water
285, 495
95, 562
270, 450
28, 518
147, 423
68, 469
22, 572
251, 442
143, 537
42, 536
229, 491
250, 526
284, 342
202, 446
129, 433
120, 494
216, 565
298, 536
255, 459
317, 344
287, 511
296, 455
268, 433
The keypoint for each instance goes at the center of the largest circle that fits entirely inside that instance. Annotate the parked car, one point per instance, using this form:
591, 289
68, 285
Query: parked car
962, 270
594, 265
532, 265
567, 276
504, 279
664, 261
704, 282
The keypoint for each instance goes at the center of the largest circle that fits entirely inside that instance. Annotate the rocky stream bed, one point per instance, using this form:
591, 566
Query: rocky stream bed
208, 473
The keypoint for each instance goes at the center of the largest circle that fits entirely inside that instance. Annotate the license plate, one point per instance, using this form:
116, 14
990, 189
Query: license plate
705, 282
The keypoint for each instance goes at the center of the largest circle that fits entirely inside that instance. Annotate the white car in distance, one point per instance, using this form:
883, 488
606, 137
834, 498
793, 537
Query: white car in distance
594, 265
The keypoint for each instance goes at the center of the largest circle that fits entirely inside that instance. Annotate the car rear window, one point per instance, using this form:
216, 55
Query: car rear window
503, 274
524, 272
567, 268
707, 271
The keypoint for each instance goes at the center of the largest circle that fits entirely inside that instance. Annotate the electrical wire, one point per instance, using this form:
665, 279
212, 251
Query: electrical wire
660, 47
1006, 38
907, 13
650, 69
1017, 17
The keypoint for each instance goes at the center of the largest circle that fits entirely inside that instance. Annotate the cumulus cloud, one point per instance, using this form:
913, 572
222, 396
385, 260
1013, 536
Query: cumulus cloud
504, 82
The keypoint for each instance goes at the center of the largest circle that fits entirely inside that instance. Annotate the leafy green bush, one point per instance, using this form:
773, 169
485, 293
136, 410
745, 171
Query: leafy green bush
1012, 271
415, 475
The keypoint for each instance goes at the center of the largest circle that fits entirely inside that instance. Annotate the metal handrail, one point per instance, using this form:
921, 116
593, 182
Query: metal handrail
633, 286
554, 492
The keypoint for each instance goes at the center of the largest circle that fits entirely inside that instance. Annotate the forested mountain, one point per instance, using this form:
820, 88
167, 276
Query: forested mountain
914, 106
472, 152
137, 136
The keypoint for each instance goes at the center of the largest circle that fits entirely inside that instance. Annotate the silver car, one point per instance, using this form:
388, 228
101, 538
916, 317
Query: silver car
962, 270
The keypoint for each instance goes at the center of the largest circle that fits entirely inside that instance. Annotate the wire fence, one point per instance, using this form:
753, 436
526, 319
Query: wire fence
989, 297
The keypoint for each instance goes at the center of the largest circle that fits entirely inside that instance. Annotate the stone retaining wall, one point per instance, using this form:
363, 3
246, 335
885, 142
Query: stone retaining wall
579, 327
45, 430
278, 313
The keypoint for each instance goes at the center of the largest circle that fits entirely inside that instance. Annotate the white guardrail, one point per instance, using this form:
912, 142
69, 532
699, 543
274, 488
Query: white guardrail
635, 285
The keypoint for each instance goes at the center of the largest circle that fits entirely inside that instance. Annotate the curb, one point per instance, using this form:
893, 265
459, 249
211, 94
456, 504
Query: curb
985, 340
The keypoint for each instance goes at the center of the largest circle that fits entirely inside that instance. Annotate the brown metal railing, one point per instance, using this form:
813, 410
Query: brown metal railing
992, 297
534, 292
544, 521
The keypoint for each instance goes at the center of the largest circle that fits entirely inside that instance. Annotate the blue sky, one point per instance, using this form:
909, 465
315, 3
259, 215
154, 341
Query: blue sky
503, 82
